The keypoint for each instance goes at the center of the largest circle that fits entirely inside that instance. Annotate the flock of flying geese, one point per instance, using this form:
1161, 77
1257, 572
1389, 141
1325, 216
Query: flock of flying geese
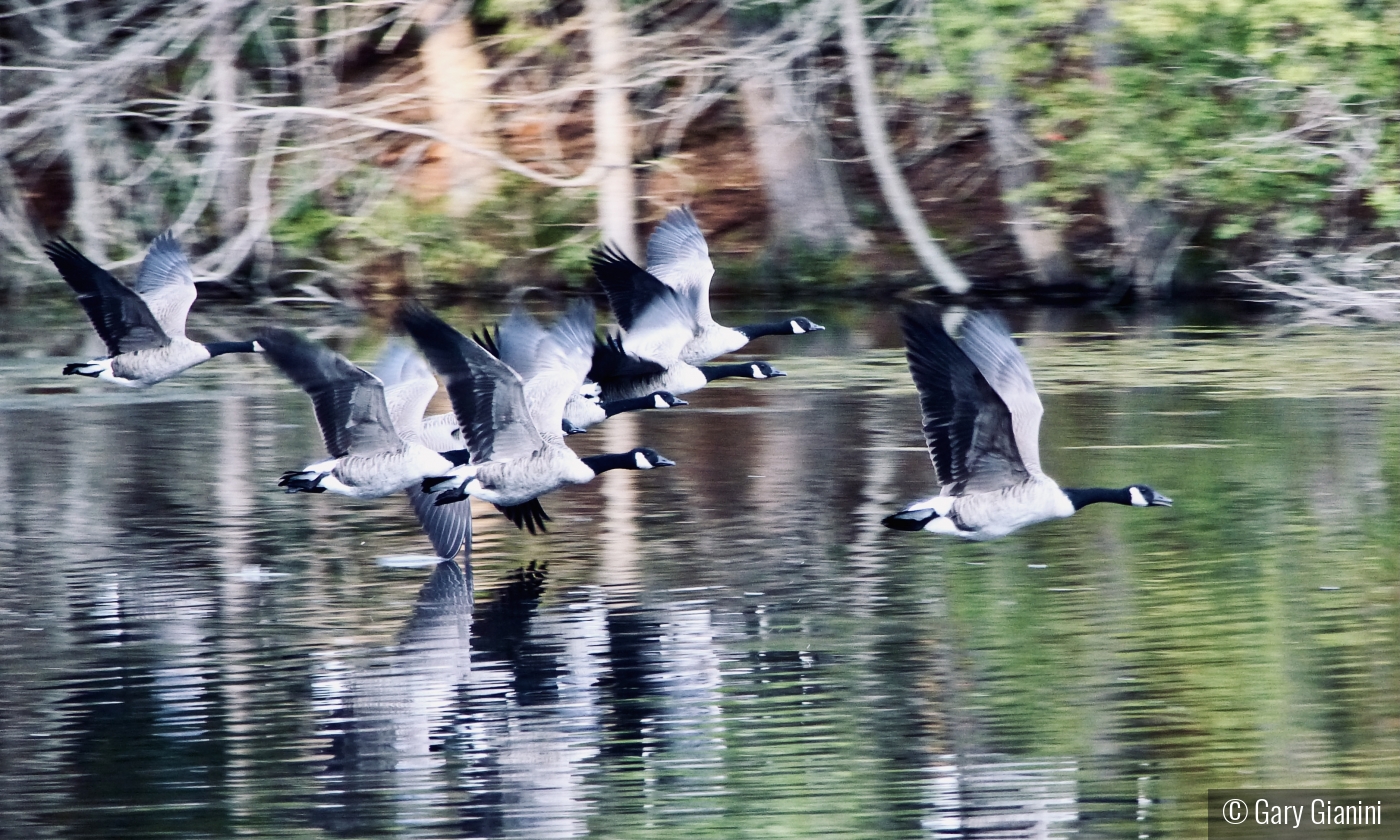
517, 391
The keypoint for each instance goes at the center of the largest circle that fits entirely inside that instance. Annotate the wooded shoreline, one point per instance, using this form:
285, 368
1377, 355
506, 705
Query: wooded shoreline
1097, 150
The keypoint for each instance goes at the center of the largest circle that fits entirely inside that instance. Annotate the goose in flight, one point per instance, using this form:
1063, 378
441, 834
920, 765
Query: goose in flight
409, 385
143, 328
513, 428
517, 342
658, 322
678, 256
982, 425
369, 457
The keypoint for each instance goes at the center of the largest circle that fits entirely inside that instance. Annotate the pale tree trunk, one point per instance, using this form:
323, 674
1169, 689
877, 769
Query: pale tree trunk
612, 126
1015, 154
222, 53
877, 146
1148, 236
457, 81
89, 211
806, 205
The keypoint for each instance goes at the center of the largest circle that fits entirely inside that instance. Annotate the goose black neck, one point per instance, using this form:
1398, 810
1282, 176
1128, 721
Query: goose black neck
615, 461
219, 348
753, 331
612, 407
713, 372
1081, 496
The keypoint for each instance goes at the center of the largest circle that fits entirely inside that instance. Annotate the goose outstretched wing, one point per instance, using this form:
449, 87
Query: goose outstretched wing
658, 319
517, 341
987, 342
561, 364
487, 396
967, 426
120, 316
409, 386
348, 400
166, 283
448, 527
678, 256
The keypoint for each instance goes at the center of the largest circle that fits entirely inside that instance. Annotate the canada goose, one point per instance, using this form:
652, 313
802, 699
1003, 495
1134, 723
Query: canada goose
143, 328
409, 385
512, 427
369, 459
658, 321
678, 256
517, 341
982, 426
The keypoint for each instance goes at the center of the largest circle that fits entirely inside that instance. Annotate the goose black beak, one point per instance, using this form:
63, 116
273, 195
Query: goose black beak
1159, 500
816, 327
663, 461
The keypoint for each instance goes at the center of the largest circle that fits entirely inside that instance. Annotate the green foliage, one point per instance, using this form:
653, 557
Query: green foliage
524, 229
1250, 111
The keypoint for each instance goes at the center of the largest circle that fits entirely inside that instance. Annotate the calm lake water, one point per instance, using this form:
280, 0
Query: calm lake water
732, 648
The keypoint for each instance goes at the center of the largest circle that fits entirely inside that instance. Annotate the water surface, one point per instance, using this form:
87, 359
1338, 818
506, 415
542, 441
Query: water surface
731, 648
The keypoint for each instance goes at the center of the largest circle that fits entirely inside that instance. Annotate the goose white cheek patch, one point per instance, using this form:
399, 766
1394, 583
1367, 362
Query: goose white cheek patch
758, 372
1136, 497
796, 328
642, 462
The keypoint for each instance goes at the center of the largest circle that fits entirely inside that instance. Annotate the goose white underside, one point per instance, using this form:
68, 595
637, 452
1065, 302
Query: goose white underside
988, 516
412, 466
102, 369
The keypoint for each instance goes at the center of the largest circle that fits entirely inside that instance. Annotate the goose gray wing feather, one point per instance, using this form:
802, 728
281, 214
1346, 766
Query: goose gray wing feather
441, 433
987, 341
487, 396
118, 314
406, 402
399, 362
678, 256
166, 283
348, 400
967, 427
518, 339
561, 364
448, 527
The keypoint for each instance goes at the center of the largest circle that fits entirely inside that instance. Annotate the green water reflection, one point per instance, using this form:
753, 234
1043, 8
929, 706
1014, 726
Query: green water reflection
733, 649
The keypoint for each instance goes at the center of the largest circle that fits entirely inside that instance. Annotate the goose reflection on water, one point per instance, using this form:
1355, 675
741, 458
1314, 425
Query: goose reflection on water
387, 714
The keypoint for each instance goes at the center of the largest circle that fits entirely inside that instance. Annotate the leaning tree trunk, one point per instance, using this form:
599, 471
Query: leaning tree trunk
612, 126
456, 76
1149, 238
806, 205
877, 146
1015, 155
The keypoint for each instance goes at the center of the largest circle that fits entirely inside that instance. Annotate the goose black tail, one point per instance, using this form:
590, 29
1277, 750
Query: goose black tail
449, 496
526, 515
81, 369
909, 520
301, 481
